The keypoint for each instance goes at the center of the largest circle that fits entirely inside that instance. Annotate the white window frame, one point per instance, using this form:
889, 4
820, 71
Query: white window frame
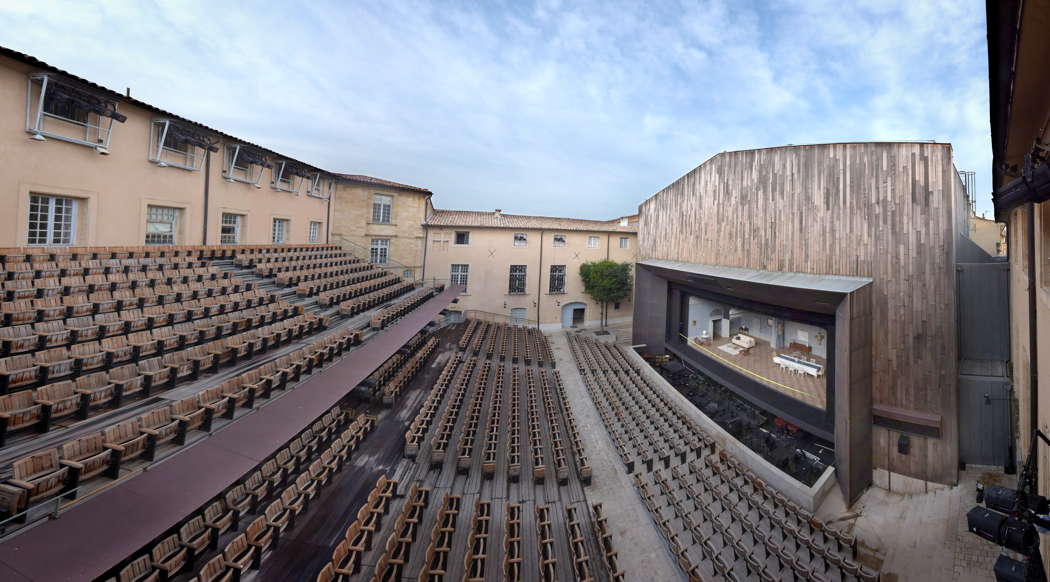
625, 242
284, 183
523, 276
252, 173
162, 215
455, 238
524, 242
382, 209
459, 274
97, 129
233, 238
285, 228
555, 242
49, 231
315, 231
379, 251
320, 188
192, 158
592, 242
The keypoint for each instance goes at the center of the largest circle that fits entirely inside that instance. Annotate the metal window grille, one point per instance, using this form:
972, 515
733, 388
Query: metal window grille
592, 242
63, 109
230, 230
462, 237
460, 275
380, 251
381, 208
517, 278
521, 239
559, 240
624, 242
280, 230
557, 279
315, 229
52, 220
161, 224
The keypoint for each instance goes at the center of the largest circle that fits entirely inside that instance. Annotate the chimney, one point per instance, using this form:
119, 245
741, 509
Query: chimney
498, 212
623, 221
128, 92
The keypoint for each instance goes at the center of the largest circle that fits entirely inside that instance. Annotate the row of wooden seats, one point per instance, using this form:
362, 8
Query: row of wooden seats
391, 390
610, 556
349, 552
367, 301
540, 352
583, 466
420, 425
19, 372
286, 490
581, 559
397, 550
475, 559
548, 561
513, 550
333, 290
39, 408
561, 462
471, 424
436, 562
473, 326
392, 364
74, 253
61, 332
77, 285
514, 453
49, 269
439, 443
323, 274
494, 427
388, 315
28, 311
536, 429
268, 268
349, 289
249, 255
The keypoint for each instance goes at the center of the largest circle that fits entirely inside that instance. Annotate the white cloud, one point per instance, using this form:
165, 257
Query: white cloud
579, 109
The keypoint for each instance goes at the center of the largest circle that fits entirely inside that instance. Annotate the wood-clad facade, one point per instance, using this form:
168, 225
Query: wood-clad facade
891, 212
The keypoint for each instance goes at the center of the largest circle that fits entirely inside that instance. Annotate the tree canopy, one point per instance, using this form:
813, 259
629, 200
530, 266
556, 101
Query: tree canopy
606, 282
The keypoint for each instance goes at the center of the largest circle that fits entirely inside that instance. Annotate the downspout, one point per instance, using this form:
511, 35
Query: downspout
1033, 335
539, 282
605, 306
328, 220
207, 196
426, 244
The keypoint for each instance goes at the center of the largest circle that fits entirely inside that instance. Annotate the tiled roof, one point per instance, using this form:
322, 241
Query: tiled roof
360, 179
500, 220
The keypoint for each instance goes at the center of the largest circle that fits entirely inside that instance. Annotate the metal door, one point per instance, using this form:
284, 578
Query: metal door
984, 420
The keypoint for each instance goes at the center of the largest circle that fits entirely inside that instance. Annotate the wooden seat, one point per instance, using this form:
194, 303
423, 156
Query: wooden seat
156, 375
52, 333
40, 475
260, 535
277, 516
126, 439
240, 555
18, 339
169, 556
59, 400
140, 570
54, 364
18, 411
196, 537
87, 456
18, 372
219, 518
216, 570
161, 428
96, 389
191, 414
87, 356
126, 382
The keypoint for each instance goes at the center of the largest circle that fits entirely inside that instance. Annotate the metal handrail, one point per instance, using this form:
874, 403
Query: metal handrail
366, 254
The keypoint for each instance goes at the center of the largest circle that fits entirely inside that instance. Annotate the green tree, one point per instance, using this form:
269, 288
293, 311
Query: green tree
606, 282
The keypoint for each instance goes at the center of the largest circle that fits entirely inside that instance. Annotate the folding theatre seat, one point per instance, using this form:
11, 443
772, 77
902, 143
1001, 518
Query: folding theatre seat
192, 415
278, 517
196, 537
49, 308
220, 518
86, 457
240, 555
58, 401
103, 302
82, 329
143, 345
51, 334
110, 324
77, 306
273, 474
19, 289
96, 390
216, 403
18, 312
168, 556
167, 339
127, 442
240, 393
126, 299
17, 411
18, 372
40, 475
87, 357
260, 535
216, 570
140, 570
161, 428
117, 350
54, 364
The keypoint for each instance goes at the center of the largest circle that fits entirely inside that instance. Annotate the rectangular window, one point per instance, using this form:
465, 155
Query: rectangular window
244, 164
315, 230
52, 220
286, 177
382, 207
230, 230
380, 252
162, 223
176, 145
625, 242
559, 240
462, 237
592, 242
460, 275
517, 279
59, 108
280, 230
521, 239
557, 279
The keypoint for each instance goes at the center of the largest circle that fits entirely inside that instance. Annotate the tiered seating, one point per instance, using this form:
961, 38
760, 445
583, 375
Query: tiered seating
391, 564
478, 543
469, 432
583, 466
356, 286
514, 428
59, 254
609, 554
526, 345
513, 557
493, 427
435, 567
425, 417
102, 454
548, 561
539, 465
388, 315
265, 504
721, 519
250, 255
468, 335
581, 561
439, 443
346, 558
561, 463
367, 300
392, 388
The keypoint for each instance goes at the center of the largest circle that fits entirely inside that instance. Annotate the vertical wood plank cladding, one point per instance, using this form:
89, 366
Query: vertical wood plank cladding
888, 211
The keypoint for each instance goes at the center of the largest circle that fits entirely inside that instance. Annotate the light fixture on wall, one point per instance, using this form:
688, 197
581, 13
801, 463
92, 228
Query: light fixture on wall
102, 150
162, 164
504, 305
38, 137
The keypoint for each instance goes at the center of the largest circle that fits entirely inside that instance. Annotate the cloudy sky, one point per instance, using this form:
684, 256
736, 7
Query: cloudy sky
580, 109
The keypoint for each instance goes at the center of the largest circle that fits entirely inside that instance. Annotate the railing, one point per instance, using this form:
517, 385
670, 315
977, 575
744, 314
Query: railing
366, 254
489, 317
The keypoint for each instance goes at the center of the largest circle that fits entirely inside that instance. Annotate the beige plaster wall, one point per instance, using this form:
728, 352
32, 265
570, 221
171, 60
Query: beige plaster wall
986, 233
352, 221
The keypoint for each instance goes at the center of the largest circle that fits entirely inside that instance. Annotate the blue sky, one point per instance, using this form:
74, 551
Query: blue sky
576, 109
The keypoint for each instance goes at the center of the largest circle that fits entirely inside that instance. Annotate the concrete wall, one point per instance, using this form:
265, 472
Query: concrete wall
113, 191
352, 221
491, 252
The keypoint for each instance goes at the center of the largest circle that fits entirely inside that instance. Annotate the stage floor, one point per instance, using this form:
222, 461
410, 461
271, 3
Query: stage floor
758, 364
